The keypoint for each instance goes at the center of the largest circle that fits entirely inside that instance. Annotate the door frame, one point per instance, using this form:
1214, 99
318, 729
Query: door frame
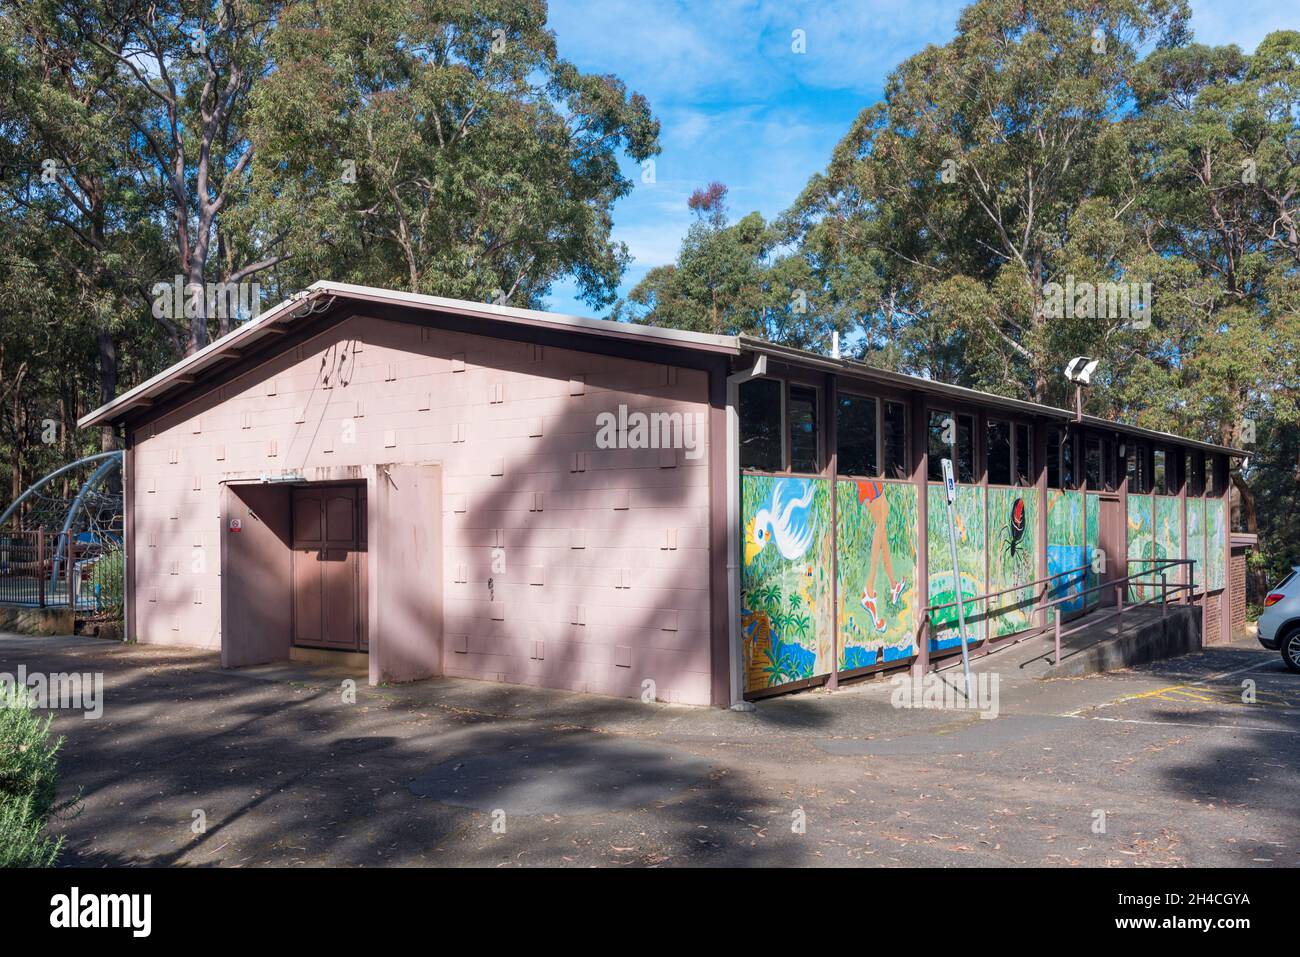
360, 575
404, 511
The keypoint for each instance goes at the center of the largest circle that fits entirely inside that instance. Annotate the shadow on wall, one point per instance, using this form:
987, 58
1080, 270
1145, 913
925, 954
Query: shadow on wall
647, 632
664, 624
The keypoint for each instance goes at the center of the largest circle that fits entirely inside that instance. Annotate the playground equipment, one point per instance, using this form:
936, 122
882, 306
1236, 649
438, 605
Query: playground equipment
90, 524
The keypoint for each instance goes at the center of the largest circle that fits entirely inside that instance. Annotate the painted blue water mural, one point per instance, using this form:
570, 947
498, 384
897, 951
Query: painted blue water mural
1062, 558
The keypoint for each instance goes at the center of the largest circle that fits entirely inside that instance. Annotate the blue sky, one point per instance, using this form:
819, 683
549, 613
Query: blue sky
736, 104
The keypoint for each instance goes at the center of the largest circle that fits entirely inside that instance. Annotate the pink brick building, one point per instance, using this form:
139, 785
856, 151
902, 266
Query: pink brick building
425, 482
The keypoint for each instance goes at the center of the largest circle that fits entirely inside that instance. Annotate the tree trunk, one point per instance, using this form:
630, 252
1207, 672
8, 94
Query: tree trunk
107, 386
199, 322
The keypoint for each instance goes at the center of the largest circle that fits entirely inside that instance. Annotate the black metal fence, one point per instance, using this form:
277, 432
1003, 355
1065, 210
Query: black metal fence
39, 571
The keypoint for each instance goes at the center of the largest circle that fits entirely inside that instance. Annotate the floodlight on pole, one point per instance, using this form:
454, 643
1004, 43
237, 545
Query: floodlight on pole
1079, 370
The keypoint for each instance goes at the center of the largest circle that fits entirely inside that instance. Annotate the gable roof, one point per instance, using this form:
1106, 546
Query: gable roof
303, 308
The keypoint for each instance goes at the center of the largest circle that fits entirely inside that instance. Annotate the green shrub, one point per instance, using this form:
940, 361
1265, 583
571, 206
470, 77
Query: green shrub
29, 775
109, 582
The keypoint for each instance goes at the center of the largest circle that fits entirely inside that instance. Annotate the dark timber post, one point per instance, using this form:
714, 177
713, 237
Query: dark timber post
920, 468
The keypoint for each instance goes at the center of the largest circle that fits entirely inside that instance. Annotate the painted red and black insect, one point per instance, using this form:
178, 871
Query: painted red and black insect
1015, 530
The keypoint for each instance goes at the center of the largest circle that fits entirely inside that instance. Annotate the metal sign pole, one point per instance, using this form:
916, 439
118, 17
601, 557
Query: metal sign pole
950, 487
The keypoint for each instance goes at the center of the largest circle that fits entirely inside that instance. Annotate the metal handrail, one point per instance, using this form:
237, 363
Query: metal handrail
1158, 565
1163, 562
1003, 591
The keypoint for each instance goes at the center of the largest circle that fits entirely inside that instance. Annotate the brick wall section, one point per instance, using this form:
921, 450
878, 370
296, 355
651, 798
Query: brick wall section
1212, 634
606, 575
1237, 585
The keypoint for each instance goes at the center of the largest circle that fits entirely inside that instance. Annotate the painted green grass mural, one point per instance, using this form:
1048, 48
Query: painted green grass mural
1093, 542
877, 533
1013, 532
969, 522
1141, 537
1196, 540
1066, 548
1168, 534
1216, 542
786, 614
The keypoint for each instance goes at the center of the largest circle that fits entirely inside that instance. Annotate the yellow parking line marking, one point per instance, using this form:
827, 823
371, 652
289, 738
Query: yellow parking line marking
1183, 724
1184, 692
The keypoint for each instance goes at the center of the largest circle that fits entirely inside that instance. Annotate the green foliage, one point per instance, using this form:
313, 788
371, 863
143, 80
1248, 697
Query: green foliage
28, 778
109, 581
442, 148
209, 141
1051, 140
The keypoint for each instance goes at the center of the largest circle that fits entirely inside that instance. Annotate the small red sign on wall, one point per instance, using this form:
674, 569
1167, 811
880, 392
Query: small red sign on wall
236, 525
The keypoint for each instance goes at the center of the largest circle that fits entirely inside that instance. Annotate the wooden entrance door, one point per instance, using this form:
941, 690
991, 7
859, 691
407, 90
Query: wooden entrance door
1110, 538
329, 561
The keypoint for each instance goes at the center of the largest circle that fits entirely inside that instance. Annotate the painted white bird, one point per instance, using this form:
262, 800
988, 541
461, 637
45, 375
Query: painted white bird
785, 522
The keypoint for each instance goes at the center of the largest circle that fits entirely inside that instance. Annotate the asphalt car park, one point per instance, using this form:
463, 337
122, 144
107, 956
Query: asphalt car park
1190, 761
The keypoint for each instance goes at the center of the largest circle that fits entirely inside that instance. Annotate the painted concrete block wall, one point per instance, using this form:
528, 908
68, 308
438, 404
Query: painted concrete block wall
565, 565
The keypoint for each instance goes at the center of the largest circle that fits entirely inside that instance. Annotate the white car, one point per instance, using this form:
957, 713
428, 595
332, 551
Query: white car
1279, 625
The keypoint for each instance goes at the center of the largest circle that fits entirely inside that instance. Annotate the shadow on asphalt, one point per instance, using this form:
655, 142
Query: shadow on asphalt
285, 772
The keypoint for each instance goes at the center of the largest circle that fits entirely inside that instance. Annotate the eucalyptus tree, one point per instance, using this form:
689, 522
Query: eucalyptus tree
1219, 134
78, 233
441, 147
991, 164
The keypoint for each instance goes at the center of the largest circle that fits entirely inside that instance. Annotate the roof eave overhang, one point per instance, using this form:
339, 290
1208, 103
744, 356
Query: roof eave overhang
285, 316
268, 324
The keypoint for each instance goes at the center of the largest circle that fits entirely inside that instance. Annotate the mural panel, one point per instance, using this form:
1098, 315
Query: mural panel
1141, 521
1066, 548
1196, 540
786, 614
876, 525
1013, 531
1093, 541
968, 522
1168, 535
1216, 542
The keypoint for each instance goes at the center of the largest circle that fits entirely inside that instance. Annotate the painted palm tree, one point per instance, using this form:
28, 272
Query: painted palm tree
779, 620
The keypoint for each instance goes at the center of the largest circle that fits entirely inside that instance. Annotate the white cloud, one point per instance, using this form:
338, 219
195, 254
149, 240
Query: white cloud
737, 106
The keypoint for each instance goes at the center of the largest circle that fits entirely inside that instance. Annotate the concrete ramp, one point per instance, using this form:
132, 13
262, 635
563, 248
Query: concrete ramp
1139, 636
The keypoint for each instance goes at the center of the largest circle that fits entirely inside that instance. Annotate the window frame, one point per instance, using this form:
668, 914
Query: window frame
782, 431
819, 427
1100, 442
852, 393
909, 462
882, 400
1138, 452
1069, 439
1163, 452
957, 411
1194, 481
1015, 425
